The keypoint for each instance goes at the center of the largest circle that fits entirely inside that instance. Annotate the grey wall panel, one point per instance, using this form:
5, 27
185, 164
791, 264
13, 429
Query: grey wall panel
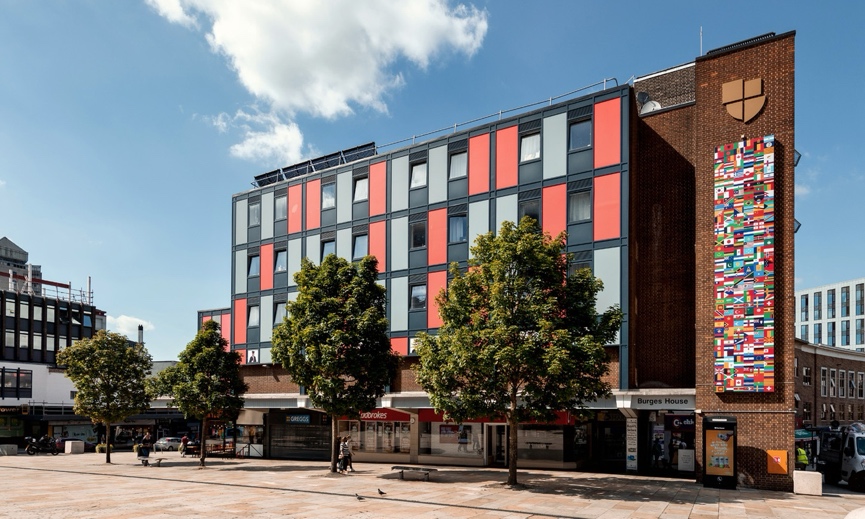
506, 209
344, 244
399, 244
240, 272
241, 222
295, 252
555, 153
313, 248
399, 304
266, 315
266, 216
344, 197
607, 267
479, 220
437, 171
399, 184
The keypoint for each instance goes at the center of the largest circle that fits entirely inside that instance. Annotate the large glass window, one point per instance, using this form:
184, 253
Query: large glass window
530, 147
818, 333
860, 331
360, 248
327, 247
254, 317
803, 332
860, 299
418, 297
459, 165
457, 229
845, 301
830, 304
818, 306
830, 334
580, 206
531, 208
842, 384
823, 381
833, 382
281, 210
361, 189
450, 439
254, 266
281, 263
418, 175
580, 135
418, 235
851, 384
254, 214
803, 307
806, 376
278, 313
328, 196
845, 333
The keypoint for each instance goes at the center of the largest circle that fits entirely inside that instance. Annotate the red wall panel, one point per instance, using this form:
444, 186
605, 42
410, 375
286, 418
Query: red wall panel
378, 243
399, 345
313, 204
266, 276
607, 207
295, 204
205, 318
225, 329
437, 237
608, 132
240, 321
555, 209
479, 164
378, 188
436, 281
506, 157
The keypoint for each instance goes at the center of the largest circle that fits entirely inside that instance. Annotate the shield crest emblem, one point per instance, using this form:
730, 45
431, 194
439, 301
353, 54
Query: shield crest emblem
743, 99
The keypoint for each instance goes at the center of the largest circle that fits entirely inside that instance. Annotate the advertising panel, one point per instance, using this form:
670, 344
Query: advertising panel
719, 452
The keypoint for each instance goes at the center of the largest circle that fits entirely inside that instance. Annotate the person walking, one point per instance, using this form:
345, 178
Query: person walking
183, 442
144, 444
801, 458
348, 464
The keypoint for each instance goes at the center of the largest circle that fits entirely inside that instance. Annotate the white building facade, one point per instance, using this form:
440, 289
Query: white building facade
833, 314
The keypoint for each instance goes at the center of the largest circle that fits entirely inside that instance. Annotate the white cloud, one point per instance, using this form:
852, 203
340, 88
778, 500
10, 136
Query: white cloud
325, 58
2, 183
802, 190
128, 326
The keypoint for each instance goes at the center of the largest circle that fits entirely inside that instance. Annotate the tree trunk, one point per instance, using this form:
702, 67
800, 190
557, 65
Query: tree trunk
512, 440
202, 443
334, 434
107, 442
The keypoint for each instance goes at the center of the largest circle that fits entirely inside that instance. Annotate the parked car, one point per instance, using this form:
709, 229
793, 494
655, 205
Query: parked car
167, 443
88, 445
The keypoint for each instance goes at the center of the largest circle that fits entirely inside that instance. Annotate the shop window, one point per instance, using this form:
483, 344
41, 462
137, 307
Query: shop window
580, 135
530, 147
459, 165
418, 175
328, 196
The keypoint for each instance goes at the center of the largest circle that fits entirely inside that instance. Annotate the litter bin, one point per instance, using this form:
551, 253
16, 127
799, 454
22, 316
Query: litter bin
719, 451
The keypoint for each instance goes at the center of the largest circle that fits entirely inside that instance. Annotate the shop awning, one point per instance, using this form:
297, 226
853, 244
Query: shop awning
803, 434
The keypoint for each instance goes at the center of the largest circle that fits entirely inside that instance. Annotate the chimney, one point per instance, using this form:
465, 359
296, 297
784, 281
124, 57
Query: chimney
140, 334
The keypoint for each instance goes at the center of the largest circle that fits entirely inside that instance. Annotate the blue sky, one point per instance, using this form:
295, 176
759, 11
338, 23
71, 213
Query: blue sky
125, 127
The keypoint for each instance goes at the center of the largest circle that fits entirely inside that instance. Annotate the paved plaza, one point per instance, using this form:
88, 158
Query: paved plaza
84, 486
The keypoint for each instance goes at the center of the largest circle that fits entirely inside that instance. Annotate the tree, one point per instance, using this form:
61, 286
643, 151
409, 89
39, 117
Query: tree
334, 341
109, 376
520, 337
205, 383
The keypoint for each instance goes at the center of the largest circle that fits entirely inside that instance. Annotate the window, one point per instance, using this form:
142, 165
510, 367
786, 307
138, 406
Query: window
580, 206
253, 320
806, 376
851, 387
860, 331
281, 212
580, 135
830, 334
803, 332
833, 383
830, 304
328, 196
327, 247
412, 346
281, 264
278, 313
418, 175
361, 189
803, 308
576, 266
457, 229
823, 382
842, 384
418, 235
860, 299
823, 414
418, 297
360, 247
818, 306
860, 385
530, 147
845, 301
806, 411
796, 367
254, 214
531, 208
459, 165
850, 412
845, 333
818, 333
254, 266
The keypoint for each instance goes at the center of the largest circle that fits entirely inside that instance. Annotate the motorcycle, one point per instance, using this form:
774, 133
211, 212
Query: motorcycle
44, 444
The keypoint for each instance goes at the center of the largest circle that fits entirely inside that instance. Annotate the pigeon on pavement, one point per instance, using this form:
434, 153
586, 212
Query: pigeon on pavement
358, 497
381, 493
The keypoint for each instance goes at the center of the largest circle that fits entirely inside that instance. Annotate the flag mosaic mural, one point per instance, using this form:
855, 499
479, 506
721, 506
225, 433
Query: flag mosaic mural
744, 332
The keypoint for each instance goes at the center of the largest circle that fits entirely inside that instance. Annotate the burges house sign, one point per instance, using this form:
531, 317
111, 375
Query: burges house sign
662, 402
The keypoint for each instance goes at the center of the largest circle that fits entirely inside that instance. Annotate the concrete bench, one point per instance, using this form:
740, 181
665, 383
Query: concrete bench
807, 482
423, 470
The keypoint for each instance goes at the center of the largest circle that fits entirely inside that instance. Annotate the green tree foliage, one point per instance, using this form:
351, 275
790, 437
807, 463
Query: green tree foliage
520, 338
205, 383
334, 340
109, 375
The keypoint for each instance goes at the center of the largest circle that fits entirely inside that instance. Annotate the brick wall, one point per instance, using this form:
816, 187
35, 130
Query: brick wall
815, 358
269, 380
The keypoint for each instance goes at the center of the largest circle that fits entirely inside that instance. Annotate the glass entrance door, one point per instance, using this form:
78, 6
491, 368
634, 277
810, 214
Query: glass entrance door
497, 445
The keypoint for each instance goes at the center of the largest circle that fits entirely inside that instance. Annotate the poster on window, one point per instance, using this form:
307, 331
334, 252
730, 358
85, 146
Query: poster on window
448, 433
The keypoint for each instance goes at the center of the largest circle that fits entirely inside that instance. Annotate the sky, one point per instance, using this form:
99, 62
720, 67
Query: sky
125, 127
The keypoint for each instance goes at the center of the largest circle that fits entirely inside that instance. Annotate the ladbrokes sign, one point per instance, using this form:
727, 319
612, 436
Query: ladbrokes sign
743, 99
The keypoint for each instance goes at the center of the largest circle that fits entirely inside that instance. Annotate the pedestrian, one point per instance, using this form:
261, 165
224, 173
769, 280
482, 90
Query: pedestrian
144, 444
344, 455
463, 440
801, 458
348, 453
658, 452
183, 442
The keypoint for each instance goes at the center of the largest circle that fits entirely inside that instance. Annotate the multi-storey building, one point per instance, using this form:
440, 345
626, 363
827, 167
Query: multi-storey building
833, 315
14, 262
677, 191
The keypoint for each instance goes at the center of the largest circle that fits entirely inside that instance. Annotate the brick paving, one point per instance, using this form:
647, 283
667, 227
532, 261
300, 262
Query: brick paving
84, 486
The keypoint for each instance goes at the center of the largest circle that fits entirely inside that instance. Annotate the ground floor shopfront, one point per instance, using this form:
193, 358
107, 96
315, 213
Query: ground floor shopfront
645, 431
